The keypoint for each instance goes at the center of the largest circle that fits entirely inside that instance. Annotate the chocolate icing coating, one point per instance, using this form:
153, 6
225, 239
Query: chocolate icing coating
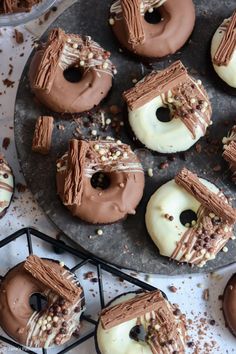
229, 304
165, 37
74, 97
18, 319
126, 187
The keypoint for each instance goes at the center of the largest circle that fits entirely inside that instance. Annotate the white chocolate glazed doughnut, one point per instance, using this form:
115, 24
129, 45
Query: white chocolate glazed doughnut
196, 243
189, 106
6, 185
169, 137
117, 340
224, 61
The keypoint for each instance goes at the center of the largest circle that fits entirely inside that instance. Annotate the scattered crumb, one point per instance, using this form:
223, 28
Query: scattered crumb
19, 37
6, 143
8, 83
21, 187
206, 294
172, 288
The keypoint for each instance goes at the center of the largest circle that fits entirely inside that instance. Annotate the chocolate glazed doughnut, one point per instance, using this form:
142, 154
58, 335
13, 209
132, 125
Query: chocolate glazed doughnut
113, 163
51, 326
127, 18
68, 51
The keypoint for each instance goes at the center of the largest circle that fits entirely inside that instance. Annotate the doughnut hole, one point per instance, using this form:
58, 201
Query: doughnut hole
100, 180
138, 333
73, 74
188, 218
163, 114
153, 16
38, 302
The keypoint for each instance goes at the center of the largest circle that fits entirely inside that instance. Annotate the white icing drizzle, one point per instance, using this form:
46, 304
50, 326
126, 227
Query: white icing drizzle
93, 168
199, 114
146, 5
38, 335
120, 163
82, 53
6, 185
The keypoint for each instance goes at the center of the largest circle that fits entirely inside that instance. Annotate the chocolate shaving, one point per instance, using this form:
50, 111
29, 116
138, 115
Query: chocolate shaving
135, 307
228, 43
43, 135
5, 143
47, 68
73, 188
54, 280
8, 83
133, 21
191, 183
19, 37
155, 84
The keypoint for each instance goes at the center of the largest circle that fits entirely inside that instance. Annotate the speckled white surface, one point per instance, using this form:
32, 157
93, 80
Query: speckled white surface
25, 212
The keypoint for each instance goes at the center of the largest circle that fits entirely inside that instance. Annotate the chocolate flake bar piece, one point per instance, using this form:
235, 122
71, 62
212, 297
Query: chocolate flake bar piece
133, 21
135, 307
229, 153
228, 44
155, 84
55, 281
73, 188
43, 135
48, 65
191, 183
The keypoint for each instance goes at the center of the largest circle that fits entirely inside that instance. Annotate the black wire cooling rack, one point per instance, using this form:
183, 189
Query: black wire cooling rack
83, 259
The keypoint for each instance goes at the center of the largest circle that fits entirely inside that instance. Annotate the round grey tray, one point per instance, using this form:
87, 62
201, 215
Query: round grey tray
127, 243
